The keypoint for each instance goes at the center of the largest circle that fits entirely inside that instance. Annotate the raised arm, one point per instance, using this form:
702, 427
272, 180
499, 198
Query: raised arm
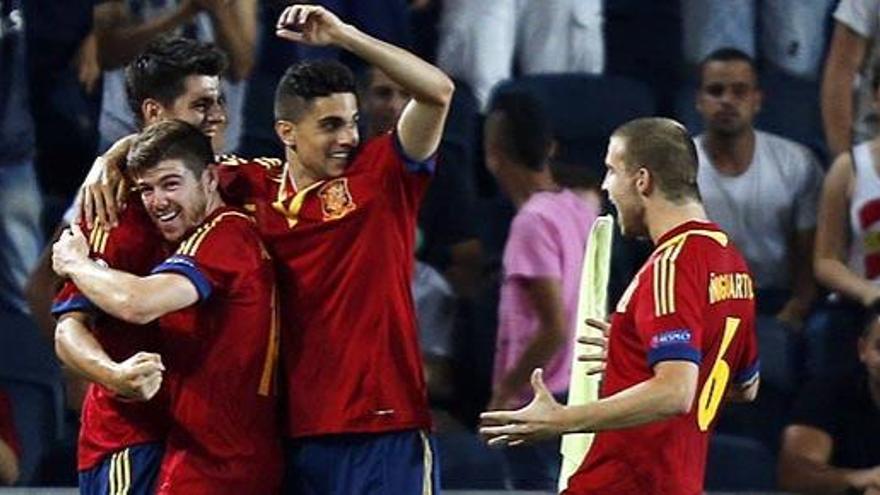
420, 126
120, 39
138, 377
130, 298
235, 26
845, 56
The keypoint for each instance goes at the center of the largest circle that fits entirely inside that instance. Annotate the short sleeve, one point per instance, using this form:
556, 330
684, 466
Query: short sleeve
531, 251
748, 366
807, 206
669, 315
426, 166
858, 15
215, 253
69, 299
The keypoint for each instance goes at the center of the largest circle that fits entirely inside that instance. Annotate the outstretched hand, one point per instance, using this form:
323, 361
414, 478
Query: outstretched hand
542, 418
309, 24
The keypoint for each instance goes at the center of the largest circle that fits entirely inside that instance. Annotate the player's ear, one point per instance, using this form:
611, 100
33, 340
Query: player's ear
286, 132
211, 179
151, 110
644, 181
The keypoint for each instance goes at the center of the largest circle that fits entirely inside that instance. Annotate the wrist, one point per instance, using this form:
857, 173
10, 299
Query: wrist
345, 36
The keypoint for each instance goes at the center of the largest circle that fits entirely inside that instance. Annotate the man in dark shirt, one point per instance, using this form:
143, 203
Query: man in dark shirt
832, 443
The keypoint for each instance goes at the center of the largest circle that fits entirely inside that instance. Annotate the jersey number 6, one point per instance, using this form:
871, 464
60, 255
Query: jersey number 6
716, 383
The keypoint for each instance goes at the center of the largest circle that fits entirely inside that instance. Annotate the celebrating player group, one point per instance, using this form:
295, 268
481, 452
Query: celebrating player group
247, 323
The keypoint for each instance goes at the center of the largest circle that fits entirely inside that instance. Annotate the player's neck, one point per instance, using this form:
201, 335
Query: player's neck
662, 216
731, 154
299, 175
215, 202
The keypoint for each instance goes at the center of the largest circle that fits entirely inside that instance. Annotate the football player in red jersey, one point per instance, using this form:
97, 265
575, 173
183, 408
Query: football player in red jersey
121, 439
681, 339
340, 218
215, 302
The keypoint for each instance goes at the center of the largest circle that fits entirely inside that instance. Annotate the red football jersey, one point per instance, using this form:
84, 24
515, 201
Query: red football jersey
223, 352
109, 424
344, 250
693, 300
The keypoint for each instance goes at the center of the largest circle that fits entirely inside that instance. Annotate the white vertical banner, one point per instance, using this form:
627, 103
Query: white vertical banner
592, 303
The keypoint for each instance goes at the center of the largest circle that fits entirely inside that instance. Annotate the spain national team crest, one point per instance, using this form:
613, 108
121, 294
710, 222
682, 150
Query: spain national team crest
336, 200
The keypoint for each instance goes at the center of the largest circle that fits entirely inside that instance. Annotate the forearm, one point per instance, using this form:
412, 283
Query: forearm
119, 44
78, 348
236, 34
645, 402
833, 274
117, 293
9, 468
797, 474
425, 82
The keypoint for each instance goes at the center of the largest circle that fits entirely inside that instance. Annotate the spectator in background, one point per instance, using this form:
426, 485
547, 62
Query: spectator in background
479, 41
763, 190
124, 27
849, 114
789, 35
10, 450
847, 252
541, 272
832, 443
20, 202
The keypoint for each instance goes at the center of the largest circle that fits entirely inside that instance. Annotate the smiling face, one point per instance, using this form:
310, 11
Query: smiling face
324, 137
728, 98
201, 104
174, 197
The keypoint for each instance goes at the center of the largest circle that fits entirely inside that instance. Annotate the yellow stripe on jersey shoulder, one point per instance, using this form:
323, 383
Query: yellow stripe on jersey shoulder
229, 159
664, 269
191, 244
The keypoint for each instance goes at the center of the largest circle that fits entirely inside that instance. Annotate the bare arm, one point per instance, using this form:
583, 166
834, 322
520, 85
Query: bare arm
421, 124
545, 298
803, 283
130, 298
235, 25
139, 377
832, 234
119, 39
668, 393
845, 56
9, 468
804, 465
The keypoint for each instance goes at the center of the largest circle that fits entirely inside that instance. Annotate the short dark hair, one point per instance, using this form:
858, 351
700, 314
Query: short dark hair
170, 140
726, 54
526, 135
160, 70
666, 149
305, 81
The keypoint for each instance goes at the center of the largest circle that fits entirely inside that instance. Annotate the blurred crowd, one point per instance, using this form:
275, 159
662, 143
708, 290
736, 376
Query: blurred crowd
780, 96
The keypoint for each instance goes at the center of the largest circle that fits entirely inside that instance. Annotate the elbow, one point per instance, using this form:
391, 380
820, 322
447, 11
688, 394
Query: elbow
60, 341
442, 92
131, 311
678, 400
